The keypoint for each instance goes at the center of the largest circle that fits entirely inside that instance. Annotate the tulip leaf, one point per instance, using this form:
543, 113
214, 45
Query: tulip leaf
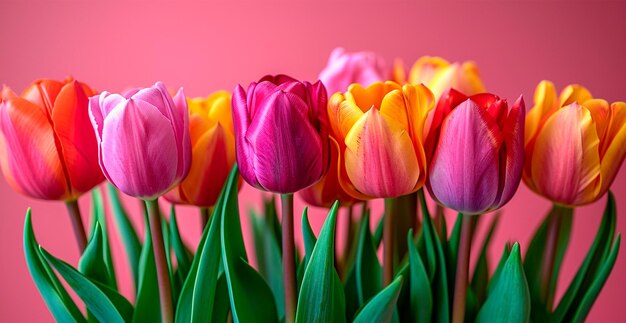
92, 263
309, 242
52, 291
251, 299
271, 218
104, 303
588, 270
321, 294
480, 279
381, 307
509, 299
351, 293
420, 294
197, 298
452, 247
221, 305
367, 269
269, 258
98, 217
183, 256
127, 232
498, 271
147, 301
378, 233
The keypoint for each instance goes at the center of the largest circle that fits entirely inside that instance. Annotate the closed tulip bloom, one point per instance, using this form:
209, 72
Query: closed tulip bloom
281, 133
476, 151
440, 75
379, 131
213, 151
143, 139
345, 68
47, 146
575, 144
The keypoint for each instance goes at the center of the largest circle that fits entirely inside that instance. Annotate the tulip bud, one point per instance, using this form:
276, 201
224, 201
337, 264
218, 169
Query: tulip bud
475, 147
281, 133
213, 151
379, 131
345, 68
440, 75
575, 144
143, 139
47, 146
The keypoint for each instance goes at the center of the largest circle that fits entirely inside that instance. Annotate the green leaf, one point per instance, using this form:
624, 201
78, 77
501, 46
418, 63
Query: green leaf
52, 291
183, 257
147, 301
99, 217
591, 264
221, 306
452, 248
378, 233
480, 279
271, 218
103, 302
498, 271
367, 268
309, 242
420, 288
251, 298
92, 263
509, 300
127, 232
381, 307
321, 295
198, 295
269, 258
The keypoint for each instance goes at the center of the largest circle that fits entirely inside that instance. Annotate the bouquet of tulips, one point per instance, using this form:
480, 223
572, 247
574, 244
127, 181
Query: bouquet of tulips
363, 132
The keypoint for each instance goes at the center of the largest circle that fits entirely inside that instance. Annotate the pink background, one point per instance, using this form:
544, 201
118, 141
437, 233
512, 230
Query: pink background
205, 47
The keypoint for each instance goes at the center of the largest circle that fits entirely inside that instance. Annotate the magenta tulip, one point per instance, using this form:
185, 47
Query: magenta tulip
143, 139
346, 68
475, 148
281, 133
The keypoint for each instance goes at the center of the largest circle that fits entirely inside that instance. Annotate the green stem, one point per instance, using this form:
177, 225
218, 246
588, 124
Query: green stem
77, 224
158, 247
388, 240
462, 270
205, 215
549, 261
289, 261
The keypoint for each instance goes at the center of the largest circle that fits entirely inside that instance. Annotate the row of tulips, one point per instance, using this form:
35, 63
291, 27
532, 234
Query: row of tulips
381, 134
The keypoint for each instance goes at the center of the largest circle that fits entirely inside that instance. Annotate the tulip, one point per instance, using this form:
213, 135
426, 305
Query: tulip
143, 139
346, 68
440, 75
281, 133
379, 131
213, 151
575, 144
475, 151
47, 146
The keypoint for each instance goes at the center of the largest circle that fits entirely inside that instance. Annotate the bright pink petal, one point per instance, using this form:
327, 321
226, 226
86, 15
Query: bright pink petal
241, 122
512, 163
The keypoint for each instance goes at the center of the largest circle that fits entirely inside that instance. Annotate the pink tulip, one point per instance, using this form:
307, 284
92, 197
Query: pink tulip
475, 148
281, 133
143, 139
346, 68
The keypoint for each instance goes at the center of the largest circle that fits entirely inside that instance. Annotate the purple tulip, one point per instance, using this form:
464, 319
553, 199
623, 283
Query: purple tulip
143, 139
346, 68
281, 133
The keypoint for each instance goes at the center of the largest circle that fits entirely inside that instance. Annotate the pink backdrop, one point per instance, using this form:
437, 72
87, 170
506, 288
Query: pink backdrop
204, 47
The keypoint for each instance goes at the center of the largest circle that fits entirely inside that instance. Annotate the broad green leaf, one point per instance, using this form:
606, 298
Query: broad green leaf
147, 301
420, 288
378, 233
498, 271
103, 302
221, 306
590, 266
309, 242
351, 294
321, 295
99, 217
251, 299
92, 263
598, 283
198, 295
509, 299
271, 218
381, 307
367, 268
128, 234
52, 291
183, 257
480, 279
452, 248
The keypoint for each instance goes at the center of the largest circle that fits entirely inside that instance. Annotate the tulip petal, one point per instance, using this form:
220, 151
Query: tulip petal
241, 123
425, 69
574, 93
99, 107
220, 110
343, 114
512, 163
43, 93
615, 152
450, 99
380, 159
28, 153
464, 172
545, 104
288, 150
567, 149
139, 150
76, 136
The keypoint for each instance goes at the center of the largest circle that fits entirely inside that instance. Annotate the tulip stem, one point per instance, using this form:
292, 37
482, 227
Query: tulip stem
554, 231
389, 230
289, 257
77, 224
163, 274
205, 215
462, 269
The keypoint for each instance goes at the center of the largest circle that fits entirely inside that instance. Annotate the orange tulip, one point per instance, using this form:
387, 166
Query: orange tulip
213, 151
48, 149
379, 133
575, 144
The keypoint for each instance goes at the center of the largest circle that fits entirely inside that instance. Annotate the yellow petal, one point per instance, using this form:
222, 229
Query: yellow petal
425, 69
220, 111
342, 114
574, 93
545, 104
616, 145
